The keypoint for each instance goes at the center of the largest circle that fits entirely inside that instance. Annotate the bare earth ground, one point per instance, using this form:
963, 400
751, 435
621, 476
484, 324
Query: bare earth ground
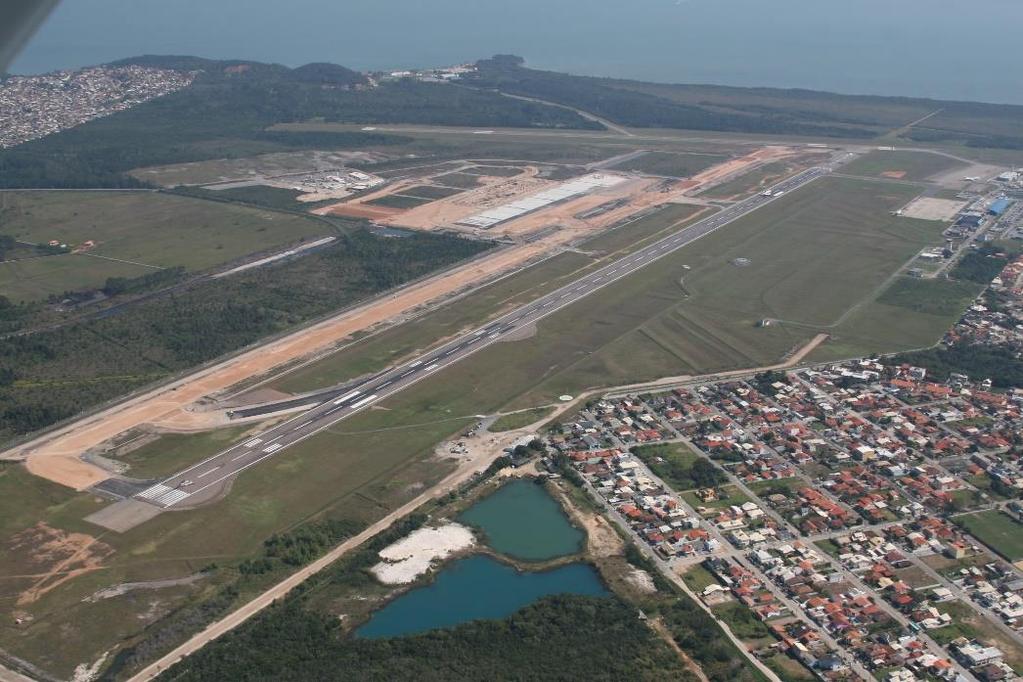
54, 557
465, 471
743, 164
493, 191
929, 208
361, 208
253, 168
56, 456
479, 452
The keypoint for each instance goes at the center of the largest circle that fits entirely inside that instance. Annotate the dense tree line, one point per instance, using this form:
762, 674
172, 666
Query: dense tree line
225, 113
58, 373
307, 542
697, 633
116, 286
1001, 364
760, 110
562, 637
980, 266
606, 98
700, 473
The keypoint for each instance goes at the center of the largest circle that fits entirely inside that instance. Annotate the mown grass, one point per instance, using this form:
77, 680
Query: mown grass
914, 165
173, 452
518, 420
930, 296
153, 228
996, 530
35, 279
672, 164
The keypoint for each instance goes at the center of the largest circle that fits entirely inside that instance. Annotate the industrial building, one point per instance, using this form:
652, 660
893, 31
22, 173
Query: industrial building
999, 206
567, 190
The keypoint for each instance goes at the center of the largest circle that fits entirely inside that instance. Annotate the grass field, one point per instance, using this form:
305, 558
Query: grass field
729, 495
261, 195
744, 623
376, 462
748, 183
151, 229
815, 255
38, 278
394, 344
909, 314
996, 530
672, 164
671, 462
517, 420
902, 164
836, 230
173, 452
789, 669
459, 180
930, 296
666, 320
399, 201
430, 192
496, 171
761, 488
699, 578
632, 235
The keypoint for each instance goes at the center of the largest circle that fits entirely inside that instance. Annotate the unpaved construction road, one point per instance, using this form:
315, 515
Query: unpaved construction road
56, 455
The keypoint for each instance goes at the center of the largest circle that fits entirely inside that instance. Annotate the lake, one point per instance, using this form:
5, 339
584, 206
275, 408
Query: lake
523, 521
949, 49
474, 588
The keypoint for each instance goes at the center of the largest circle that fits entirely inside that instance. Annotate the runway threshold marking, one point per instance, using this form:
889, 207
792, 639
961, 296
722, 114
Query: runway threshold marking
172, 495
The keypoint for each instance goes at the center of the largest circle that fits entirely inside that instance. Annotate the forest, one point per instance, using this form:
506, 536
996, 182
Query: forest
761, 110
54, 374
1001, 364
980, 266
678, 471
561, 637
226, 111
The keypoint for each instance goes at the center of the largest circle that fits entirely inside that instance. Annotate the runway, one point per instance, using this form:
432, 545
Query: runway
204, 481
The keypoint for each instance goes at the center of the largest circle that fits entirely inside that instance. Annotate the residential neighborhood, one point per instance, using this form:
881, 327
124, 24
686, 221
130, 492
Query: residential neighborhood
853, 508
35, 106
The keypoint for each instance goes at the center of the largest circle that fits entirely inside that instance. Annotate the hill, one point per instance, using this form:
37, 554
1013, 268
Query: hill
226, 111
328, 74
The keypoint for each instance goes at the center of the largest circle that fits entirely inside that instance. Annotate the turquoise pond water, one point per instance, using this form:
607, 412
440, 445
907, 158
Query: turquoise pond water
473, 588
523, 521
520, 520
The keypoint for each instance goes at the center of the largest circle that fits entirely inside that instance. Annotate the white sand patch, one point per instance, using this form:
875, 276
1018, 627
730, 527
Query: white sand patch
413, 555
641, 580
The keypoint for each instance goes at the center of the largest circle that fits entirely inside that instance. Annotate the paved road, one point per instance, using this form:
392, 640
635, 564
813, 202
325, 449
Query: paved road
668, 572
203, 482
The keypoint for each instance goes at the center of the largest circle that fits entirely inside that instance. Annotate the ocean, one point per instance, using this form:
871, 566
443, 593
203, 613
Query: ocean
947, 49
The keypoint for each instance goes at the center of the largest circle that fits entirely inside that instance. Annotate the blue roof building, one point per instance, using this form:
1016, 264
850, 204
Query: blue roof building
999, 207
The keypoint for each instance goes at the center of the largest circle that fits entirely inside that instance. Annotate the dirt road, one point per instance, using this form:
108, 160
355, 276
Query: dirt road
56, 455
236, 618
480, 457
